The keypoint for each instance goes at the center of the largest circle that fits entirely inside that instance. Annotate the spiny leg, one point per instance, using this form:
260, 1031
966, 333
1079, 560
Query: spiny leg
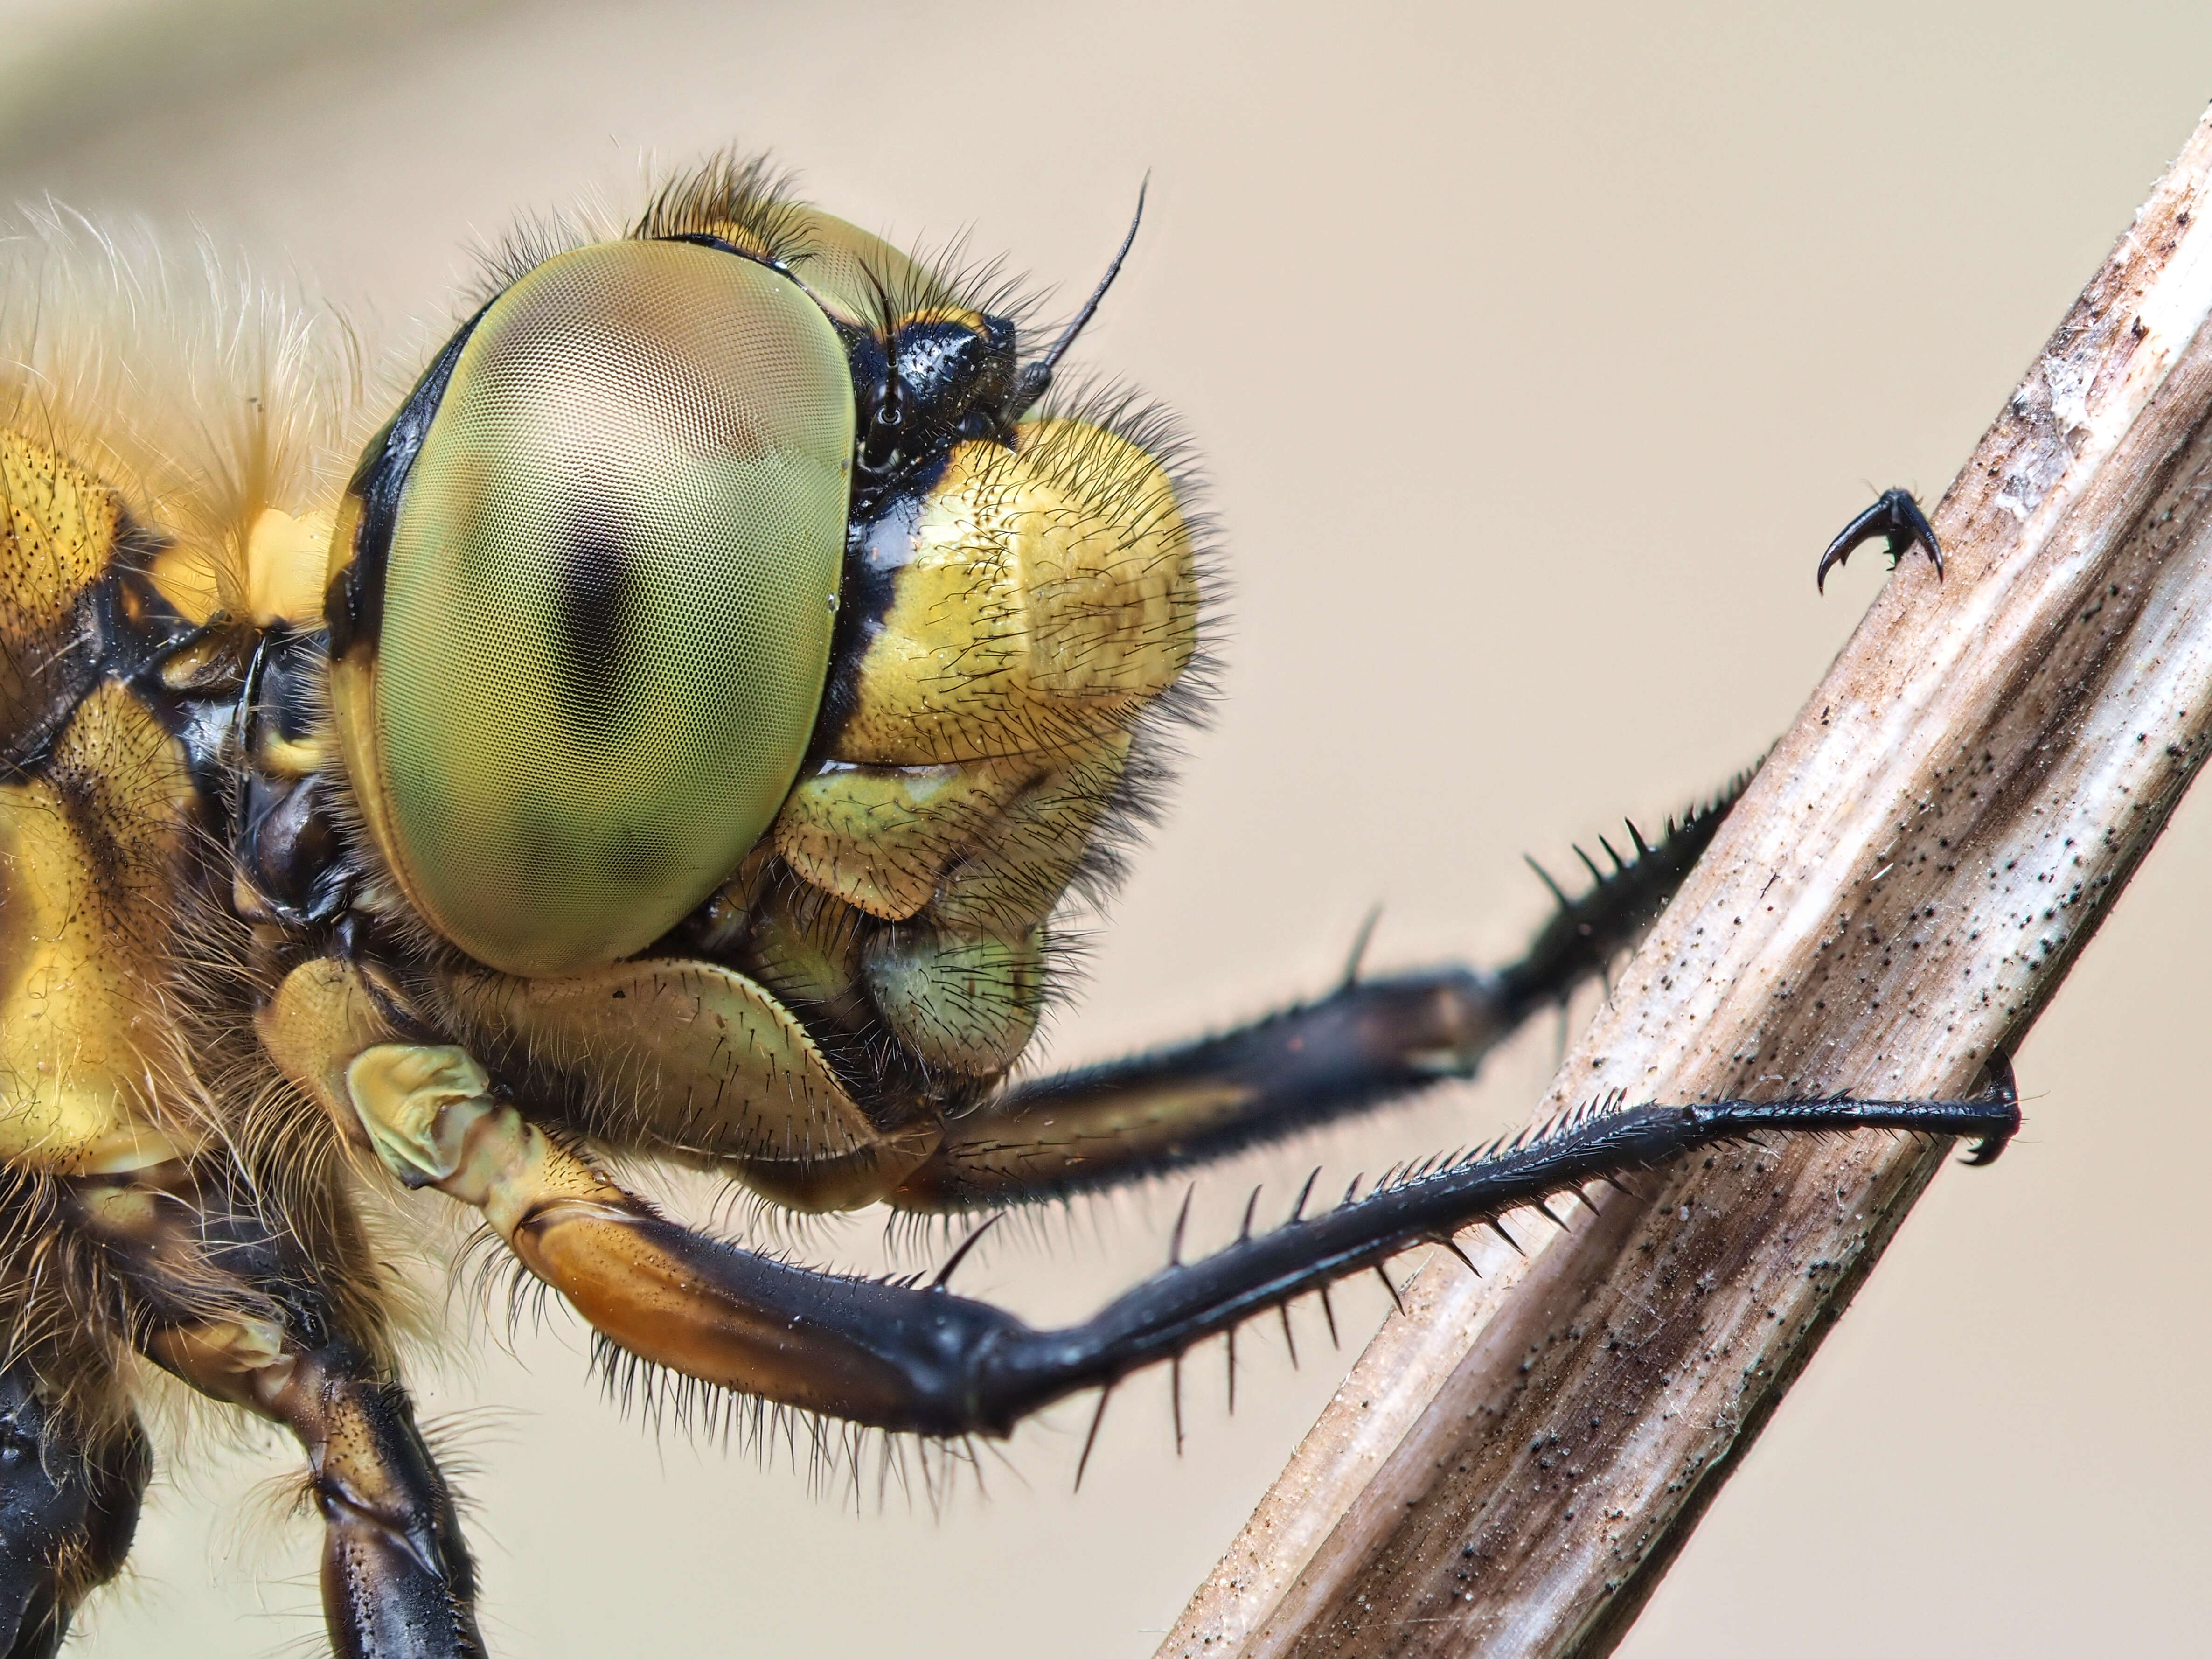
69, 1507
1367, 1041
231, 1306
895, 1356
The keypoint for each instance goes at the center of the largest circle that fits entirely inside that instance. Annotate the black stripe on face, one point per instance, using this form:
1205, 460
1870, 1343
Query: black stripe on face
353, 604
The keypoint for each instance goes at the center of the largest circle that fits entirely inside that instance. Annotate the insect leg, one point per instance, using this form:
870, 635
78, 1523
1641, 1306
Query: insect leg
902, 1357
1367, 1041
1895, 519
69, 1507
231, 1306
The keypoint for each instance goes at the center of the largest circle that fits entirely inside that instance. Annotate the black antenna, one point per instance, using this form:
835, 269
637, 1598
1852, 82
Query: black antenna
1037, 377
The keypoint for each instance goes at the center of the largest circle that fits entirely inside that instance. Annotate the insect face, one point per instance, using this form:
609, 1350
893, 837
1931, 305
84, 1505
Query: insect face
584, 586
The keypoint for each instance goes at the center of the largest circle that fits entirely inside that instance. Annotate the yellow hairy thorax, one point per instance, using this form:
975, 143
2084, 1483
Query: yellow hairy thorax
89, 856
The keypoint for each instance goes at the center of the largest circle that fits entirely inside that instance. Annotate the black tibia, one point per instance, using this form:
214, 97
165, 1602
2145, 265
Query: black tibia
231, 1306
68, 1509
1364, 1042
1895, 519
899, 1356
1585, 934
1367, 1041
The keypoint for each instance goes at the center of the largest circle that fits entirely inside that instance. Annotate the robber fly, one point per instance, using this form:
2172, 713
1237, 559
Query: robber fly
671, 733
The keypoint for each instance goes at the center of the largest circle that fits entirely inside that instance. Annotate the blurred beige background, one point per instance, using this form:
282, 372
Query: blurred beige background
1534, 353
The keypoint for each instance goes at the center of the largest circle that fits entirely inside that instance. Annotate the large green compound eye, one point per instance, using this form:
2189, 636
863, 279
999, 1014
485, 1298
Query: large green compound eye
608, 599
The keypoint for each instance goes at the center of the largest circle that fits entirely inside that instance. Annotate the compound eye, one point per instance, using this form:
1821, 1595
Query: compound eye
607, 601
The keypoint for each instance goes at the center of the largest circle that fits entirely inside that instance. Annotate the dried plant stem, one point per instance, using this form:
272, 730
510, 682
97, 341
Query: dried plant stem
1516, 1461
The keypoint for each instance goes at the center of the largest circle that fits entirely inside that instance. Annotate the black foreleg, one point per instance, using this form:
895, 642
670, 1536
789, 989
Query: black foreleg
1168, 1312
1895, 519
898, 1357
67, 1510
1369, 1041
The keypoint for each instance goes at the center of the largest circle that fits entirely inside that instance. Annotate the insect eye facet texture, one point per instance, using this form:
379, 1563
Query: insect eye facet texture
608, 598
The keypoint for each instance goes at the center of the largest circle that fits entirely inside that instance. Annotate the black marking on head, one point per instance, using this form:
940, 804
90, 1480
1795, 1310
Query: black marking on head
719, 243
936, 382
354, 602
875, 548
953, 369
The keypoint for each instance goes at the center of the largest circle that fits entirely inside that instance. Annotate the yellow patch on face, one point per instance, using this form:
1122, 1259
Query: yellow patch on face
286, 567
1043, 596
1014, 876
879, 837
